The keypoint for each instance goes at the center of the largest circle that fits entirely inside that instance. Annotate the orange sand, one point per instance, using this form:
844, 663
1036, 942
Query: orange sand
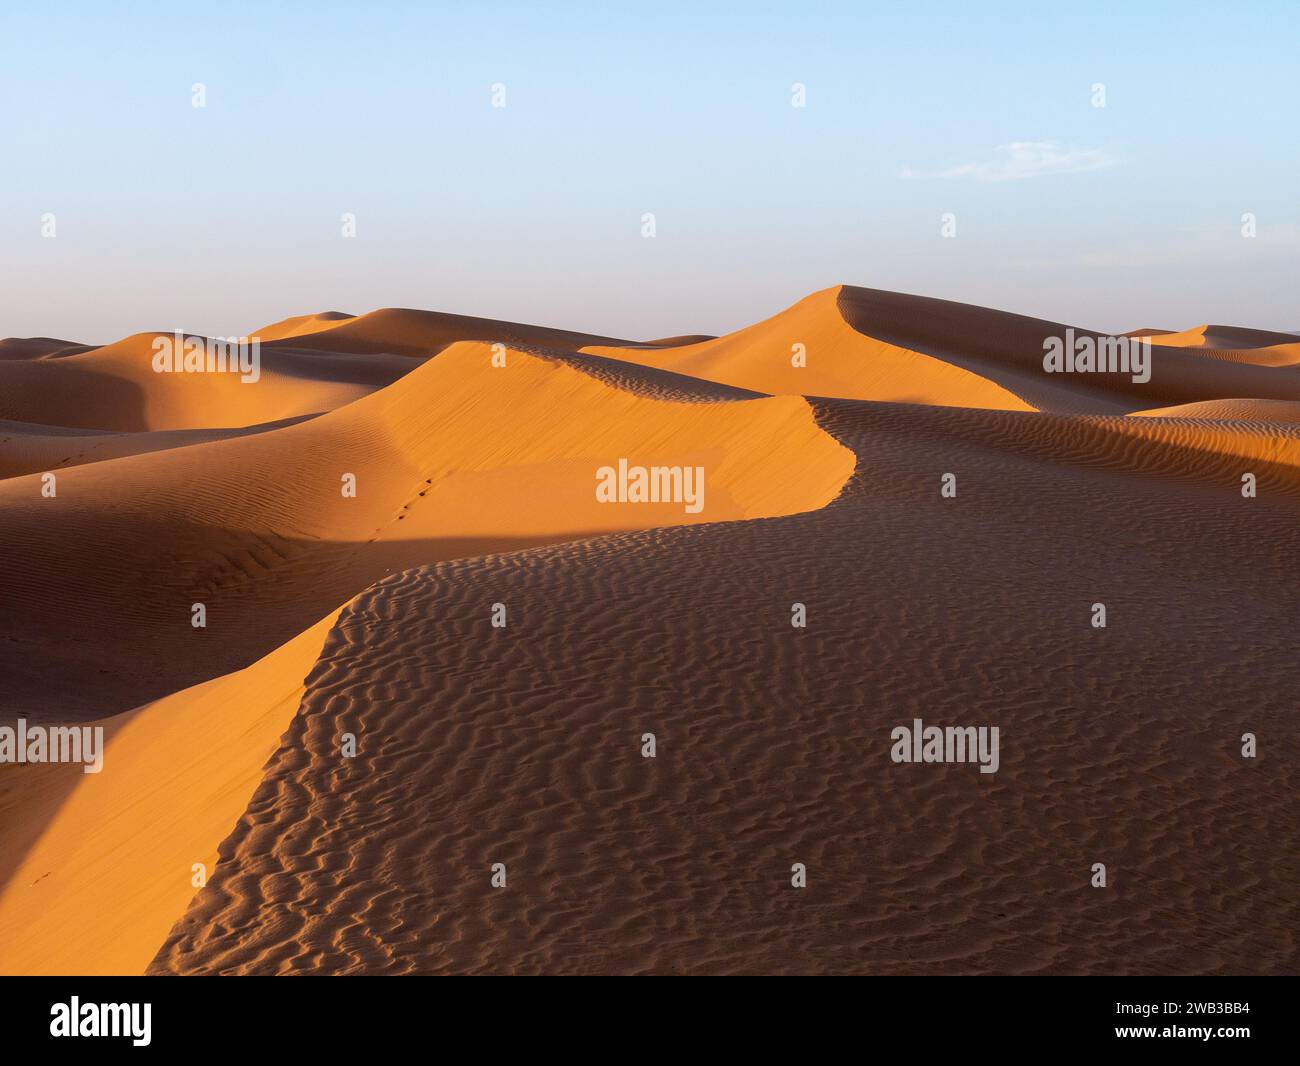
475, 486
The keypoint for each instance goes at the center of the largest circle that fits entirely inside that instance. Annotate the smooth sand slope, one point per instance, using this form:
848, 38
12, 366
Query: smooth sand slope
522, 745
457, 458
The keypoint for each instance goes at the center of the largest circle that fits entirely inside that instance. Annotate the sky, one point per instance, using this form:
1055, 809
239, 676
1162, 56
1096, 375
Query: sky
222, 218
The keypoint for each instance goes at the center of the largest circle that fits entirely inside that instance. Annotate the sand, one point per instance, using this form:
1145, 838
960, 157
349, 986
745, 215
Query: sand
866, 344
177, 772
522, 745
456, 458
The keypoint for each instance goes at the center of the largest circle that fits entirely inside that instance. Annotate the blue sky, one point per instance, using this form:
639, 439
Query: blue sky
227, 217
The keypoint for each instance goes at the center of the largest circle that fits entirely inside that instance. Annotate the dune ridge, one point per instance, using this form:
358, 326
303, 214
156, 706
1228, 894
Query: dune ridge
868, 344
409, 332
456, 458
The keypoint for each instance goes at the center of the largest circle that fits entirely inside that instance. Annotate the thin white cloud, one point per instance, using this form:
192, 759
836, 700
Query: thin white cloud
1026, 159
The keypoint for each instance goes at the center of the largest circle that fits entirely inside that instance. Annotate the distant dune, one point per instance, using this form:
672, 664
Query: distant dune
1284, 411
423, 333
37, 348
302, 324
825, 435
116, 388
865, 344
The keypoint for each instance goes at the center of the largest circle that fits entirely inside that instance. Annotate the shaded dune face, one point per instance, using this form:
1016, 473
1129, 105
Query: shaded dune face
28, 448
1008, 349
37, 348
372, 615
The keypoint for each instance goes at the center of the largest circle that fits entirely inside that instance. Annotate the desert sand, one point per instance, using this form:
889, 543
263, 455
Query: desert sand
473, 445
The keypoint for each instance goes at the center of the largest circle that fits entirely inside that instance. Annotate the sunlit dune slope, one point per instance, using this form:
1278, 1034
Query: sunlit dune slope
104, 862
840, 362
1283, 411
457, 458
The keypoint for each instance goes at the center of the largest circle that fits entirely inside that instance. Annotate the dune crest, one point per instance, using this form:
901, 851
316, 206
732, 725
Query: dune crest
421, 334
841, 361
869, 344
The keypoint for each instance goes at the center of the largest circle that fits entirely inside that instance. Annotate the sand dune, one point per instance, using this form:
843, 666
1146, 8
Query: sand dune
1284, 411
840, 361
522, 745
37, 348
425, 333
515, 747
302, 324
1233, 344
456, 458
116, 388
872, 345
1224, 337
